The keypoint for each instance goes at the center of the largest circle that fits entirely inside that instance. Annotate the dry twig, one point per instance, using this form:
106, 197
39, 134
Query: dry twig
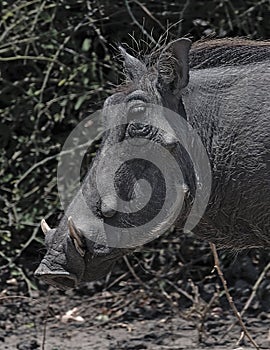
251, 297
45, 322
229, 297
138, 24
137, 278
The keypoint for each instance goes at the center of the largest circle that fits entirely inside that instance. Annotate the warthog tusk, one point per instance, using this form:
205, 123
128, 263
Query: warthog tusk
76, 236
44, 226
72, 228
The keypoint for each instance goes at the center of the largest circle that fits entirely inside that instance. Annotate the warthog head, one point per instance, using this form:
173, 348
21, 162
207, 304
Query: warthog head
71, 258
131, 189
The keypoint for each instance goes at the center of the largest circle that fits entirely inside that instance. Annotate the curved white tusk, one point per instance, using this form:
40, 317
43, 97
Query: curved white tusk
72, 227
44, 226
76, 236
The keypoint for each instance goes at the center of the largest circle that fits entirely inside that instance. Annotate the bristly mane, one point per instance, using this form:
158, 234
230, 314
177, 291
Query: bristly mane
228, 52
208, 53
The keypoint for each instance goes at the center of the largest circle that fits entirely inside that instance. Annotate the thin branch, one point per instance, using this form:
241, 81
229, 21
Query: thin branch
137, 278
138, 24
33, 167
251, 297
180, 290
26, 244
204, 314
39, 11
45, 322
145, 9
229, 297
54, 60
45, 160
26, 279
31, 58
6, 47
182, 16
15, 297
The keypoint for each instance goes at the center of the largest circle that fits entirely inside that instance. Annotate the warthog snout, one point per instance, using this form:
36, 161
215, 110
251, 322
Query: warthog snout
58, 279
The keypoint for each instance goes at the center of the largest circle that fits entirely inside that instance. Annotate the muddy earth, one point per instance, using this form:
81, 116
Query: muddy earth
166, 296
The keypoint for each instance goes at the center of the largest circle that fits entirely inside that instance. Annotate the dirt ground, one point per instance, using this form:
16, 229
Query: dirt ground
166, 296
55, 320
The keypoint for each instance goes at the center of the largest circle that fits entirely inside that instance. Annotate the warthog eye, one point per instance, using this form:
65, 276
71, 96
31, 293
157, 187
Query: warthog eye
136, 102
136, 107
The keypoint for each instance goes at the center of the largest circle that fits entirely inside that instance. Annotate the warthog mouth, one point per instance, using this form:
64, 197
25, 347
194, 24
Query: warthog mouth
61, 280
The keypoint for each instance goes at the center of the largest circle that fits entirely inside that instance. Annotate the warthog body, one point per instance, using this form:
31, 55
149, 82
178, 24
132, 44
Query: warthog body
221, 88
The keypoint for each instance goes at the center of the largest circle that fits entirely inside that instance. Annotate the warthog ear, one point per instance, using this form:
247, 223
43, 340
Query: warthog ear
76, 236
134, 67
173, 66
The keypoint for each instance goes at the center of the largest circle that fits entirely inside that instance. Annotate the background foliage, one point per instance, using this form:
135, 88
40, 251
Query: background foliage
58, 62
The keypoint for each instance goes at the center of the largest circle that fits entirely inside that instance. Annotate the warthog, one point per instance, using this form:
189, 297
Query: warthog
221, 89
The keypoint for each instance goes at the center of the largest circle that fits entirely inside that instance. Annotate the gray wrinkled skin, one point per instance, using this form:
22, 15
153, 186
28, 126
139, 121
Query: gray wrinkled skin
222, 88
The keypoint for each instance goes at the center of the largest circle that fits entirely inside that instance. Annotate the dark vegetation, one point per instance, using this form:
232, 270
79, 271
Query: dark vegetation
58, 62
